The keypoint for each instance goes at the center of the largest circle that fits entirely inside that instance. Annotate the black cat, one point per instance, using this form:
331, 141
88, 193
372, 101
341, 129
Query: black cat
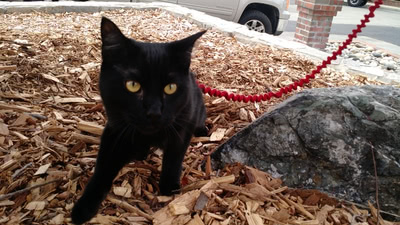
151, 99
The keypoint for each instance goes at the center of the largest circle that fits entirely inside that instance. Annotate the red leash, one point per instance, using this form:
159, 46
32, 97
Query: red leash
301, 82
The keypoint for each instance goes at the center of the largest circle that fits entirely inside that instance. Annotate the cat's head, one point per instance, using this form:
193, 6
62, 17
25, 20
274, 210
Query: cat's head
144, 84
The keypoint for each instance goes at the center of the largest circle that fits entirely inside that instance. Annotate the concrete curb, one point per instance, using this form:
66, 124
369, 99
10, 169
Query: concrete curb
232, 29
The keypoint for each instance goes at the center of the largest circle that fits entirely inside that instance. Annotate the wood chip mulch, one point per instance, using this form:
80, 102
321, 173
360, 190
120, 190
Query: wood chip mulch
51, 118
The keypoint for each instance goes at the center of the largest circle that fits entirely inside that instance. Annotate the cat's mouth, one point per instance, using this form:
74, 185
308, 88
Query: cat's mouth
149, 129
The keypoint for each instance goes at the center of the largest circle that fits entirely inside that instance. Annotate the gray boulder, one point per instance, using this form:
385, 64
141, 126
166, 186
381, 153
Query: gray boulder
323, 139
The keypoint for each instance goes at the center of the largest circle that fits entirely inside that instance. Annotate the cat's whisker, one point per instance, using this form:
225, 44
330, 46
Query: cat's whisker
122, 135
183, 124
176, 132
185, 114
133, 128
168, 134
176, 123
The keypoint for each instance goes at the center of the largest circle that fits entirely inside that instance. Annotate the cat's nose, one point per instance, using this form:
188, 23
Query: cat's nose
154, 116
154, 111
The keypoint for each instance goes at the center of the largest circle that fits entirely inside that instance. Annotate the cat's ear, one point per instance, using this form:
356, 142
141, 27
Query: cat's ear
181, 50
186, 45
111, 35
114, 42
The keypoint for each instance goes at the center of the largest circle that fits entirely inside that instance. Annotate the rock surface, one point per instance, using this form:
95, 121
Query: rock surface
324, 138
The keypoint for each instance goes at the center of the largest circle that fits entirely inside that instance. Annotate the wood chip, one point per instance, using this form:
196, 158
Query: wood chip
243, 115
300, 208
51, 114
129, 207
252, 116
253, 219
17, 108
219, 180
200, 139
70, 100
164, 198
7, 164
23, 119
178, 209
8, 68
4, 129
306, 222
59, 219
181, 204
196, 220
35, 205
6, 203
86, 138
51, 77
123, 191
19, 135
42, 169
218, 135
90, 127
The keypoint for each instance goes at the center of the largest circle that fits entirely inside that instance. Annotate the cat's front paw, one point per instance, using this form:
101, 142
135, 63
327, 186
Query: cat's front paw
201, 131
169, 188
83, 211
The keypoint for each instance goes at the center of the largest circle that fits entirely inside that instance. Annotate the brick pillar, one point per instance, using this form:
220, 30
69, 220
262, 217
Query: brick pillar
315, 21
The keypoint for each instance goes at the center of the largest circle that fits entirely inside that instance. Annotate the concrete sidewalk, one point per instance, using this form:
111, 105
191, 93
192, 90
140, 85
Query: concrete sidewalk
385, 22
232, 29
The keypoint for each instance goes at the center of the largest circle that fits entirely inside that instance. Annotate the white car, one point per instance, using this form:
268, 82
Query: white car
268, 16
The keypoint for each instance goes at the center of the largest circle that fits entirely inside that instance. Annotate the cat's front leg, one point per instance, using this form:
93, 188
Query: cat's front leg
110, 159
173, 157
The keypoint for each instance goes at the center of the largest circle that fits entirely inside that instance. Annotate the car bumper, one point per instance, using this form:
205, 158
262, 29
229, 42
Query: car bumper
282, 23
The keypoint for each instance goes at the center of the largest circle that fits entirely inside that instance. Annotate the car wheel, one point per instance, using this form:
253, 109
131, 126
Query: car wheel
356, 3
256, 20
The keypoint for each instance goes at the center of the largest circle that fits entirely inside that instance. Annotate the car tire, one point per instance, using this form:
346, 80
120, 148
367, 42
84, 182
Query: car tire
356, 3
256, 20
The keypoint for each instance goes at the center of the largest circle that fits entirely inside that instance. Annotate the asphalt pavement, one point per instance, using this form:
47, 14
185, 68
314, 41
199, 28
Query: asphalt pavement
383, 32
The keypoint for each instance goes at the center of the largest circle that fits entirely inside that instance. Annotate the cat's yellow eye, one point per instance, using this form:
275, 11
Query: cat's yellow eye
170, 89
132, 86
